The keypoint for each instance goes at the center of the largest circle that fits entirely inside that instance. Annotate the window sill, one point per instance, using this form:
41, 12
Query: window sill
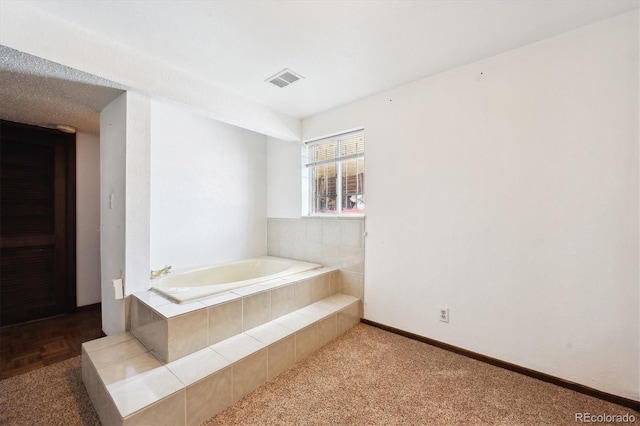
334, 216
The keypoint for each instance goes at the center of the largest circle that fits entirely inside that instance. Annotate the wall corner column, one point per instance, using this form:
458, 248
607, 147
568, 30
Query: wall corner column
124, 203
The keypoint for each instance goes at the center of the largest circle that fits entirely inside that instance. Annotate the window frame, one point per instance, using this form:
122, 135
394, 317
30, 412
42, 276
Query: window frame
338, 161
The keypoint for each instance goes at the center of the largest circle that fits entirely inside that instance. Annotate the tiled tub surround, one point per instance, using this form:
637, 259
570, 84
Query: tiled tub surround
172, 331
330, 241
129, 386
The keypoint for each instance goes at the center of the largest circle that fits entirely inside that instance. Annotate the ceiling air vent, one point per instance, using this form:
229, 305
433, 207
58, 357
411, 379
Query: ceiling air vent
284, 78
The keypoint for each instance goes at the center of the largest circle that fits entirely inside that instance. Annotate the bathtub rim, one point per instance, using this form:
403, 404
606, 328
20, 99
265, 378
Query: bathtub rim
204, 292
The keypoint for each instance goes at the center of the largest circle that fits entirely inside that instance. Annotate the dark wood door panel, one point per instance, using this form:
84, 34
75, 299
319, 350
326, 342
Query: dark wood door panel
28, 188
37, 192
28, 281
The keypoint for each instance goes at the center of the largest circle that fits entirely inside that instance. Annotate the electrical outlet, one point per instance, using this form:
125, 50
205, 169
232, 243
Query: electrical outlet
444, 314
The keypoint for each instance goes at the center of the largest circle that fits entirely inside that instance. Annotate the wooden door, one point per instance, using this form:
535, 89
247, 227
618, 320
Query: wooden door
37, 222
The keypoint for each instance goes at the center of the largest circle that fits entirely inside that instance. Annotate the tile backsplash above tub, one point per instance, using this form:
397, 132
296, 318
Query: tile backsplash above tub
331, 242
334, 242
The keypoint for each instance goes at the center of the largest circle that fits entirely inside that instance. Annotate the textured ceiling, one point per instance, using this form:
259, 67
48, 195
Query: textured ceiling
44, 93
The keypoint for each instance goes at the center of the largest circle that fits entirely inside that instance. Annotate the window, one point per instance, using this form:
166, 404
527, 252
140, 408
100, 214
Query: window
335, 169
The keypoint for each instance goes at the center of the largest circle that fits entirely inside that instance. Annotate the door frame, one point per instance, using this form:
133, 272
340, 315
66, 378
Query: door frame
71, 303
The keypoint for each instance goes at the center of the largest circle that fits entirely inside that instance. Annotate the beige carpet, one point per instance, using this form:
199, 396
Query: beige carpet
366, 377
52, 395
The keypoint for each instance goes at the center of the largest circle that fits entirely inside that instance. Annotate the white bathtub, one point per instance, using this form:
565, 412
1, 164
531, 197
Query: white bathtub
193, 283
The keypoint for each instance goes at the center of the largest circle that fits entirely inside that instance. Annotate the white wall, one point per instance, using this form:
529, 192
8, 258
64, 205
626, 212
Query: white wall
124, 203
87, 219
208, 189
283, 177
507, 191
137, 194
112, 231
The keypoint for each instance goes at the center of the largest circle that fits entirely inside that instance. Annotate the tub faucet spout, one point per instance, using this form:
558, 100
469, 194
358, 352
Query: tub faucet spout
160, 272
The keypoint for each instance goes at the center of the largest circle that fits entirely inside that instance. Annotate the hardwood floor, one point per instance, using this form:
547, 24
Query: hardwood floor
28, 346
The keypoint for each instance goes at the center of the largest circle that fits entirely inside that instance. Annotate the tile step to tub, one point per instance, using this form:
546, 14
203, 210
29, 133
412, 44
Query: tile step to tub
128, 385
